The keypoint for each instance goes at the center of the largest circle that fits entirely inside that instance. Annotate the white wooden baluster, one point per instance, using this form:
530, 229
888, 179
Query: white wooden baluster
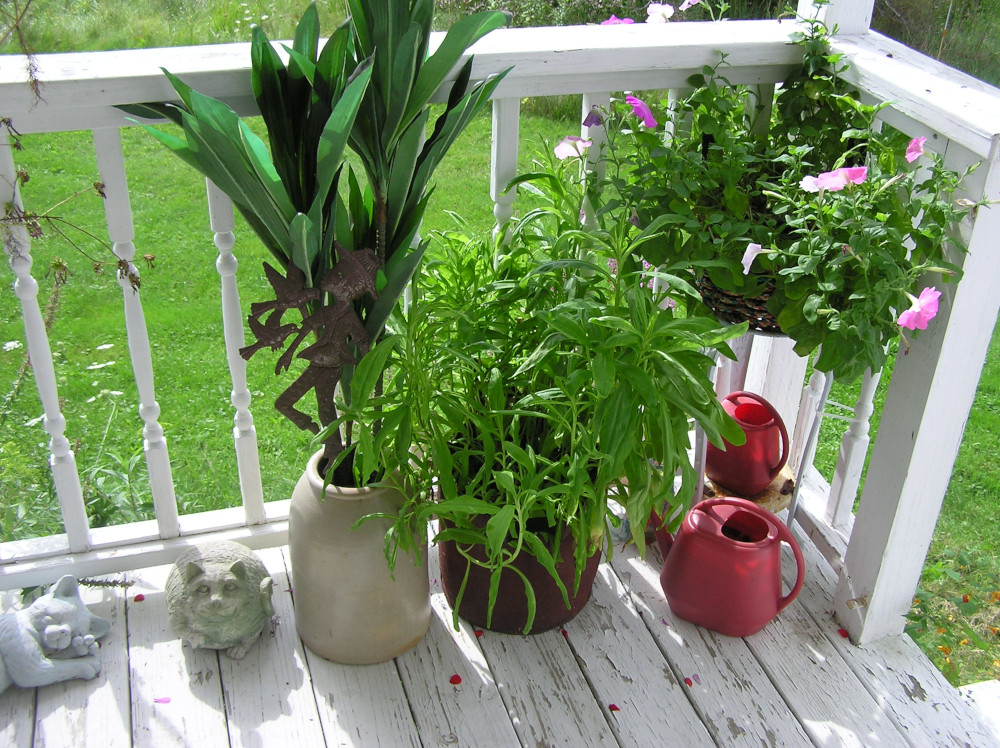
61, 459
594, 161
811, 395
670, 128
598, 134
220, 211
819, 392
503, 158
118, 211
762, 100
851, 459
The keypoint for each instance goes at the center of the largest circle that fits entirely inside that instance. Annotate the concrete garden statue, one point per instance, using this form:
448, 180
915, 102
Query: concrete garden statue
219, 597
51, 640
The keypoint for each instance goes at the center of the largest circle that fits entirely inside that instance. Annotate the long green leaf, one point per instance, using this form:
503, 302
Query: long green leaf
303, 250
459, 38
306, 41
330, 151
405, 65
370, 369
407, 150
497, 528
398, 274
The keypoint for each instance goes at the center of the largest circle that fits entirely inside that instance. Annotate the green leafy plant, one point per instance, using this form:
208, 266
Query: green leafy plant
542, 382
755, 203
345, 252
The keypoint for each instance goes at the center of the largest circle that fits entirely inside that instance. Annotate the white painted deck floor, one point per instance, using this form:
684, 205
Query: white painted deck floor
624, 672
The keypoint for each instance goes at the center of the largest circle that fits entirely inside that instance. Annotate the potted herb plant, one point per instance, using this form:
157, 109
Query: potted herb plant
544, 383
805, 219
345, 246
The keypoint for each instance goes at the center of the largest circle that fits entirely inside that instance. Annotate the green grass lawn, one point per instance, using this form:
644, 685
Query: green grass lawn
958, 610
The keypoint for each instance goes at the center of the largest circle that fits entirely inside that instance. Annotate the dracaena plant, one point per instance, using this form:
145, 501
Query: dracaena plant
543, 382
345, 246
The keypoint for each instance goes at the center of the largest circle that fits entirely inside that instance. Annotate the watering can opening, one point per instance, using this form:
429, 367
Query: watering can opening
753, 414
744, 527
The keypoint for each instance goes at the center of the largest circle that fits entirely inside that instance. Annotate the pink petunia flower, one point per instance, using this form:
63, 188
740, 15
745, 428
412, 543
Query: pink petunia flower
659, 12
753, 249
571, 146
922, 310
835, 180
641, 110
615, 20
915, 149
855, 174
809, 184
688, 4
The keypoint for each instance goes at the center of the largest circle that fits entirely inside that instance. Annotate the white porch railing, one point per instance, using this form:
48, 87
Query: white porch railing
929, 397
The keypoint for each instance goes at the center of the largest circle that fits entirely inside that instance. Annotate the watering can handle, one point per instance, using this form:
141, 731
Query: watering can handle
785, 535
776, 468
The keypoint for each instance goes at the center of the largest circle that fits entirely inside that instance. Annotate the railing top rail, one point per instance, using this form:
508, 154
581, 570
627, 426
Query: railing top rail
80, 89
957, 106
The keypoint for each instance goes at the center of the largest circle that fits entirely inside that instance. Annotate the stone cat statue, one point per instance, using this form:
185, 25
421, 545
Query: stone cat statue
51, 640
219, 597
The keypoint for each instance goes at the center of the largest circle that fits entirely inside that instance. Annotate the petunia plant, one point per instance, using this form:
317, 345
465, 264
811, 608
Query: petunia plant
863, 240
803, 218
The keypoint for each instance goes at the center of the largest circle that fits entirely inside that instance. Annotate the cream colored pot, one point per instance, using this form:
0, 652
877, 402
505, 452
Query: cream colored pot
348, 607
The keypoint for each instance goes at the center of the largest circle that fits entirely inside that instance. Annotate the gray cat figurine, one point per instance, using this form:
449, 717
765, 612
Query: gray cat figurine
219, 597
51, 640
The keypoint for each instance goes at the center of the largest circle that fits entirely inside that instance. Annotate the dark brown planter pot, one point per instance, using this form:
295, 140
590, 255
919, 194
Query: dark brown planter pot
511, 610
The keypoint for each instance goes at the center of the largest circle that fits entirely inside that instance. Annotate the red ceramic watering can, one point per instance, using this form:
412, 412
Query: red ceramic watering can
749, 469
723, 569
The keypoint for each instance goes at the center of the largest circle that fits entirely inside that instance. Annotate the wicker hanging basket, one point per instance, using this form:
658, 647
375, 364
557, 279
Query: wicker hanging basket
733, 308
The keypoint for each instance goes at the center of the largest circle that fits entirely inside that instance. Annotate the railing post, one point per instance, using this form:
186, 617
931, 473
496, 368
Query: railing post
847, 16
118, 211
931, 393
61, 459
503, 157
220, 211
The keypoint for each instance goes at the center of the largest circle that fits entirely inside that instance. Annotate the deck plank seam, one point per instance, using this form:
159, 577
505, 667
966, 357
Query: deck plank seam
595, 691
674, 668
307, 656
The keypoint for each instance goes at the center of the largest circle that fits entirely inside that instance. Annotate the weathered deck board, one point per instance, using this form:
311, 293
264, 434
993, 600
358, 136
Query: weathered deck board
796, 683
176, 691
99, 710
626, 668
269, 695
915, 695
730, 691
471, 712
